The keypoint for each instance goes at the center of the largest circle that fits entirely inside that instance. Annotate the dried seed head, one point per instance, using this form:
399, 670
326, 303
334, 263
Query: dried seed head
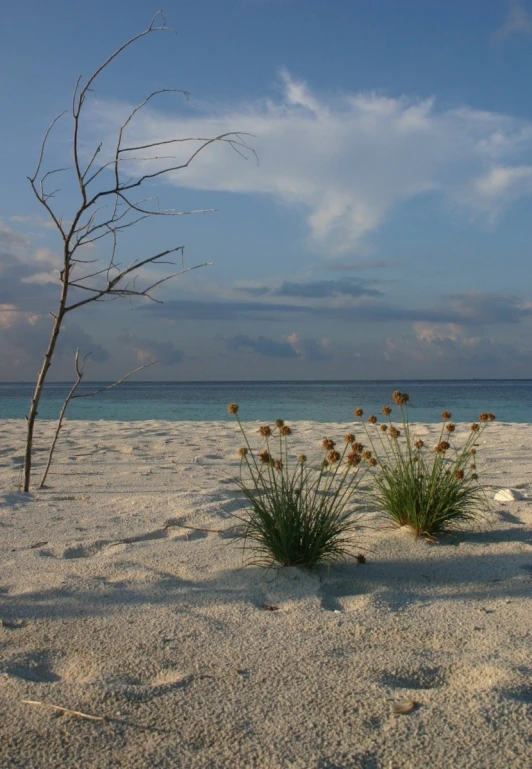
483, 417
349, 438
328, 444
393, 432
450, 427
419, 444
232, 408
279, 422
265, 431
474, 476
474, 427
386, 410
265, 457
472, 451
302, 458
278, 465
360, 558
384, 428
445, 415
372, 462
358, 448
366, 455
372, 419
242, 452
285, 430
333, 456
491, 417
442, 447
459, 474
353, 459
325, 464
359, 412
400, 398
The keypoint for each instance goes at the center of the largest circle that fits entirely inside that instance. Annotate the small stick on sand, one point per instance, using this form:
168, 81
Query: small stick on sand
69, 712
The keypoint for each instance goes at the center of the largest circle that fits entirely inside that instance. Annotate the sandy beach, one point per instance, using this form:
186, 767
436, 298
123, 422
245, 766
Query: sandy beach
123, 595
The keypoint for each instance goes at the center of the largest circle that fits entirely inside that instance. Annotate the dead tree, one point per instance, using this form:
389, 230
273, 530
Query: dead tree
80, 371
105, 208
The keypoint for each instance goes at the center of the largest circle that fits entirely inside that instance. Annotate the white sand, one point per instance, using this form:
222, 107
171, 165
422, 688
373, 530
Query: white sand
110, 607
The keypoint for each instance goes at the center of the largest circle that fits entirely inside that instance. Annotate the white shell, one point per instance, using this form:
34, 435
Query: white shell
402, 707
507, 495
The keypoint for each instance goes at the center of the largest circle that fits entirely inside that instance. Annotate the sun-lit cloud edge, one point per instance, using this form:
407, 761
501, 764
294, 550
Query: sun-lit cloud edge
346, 163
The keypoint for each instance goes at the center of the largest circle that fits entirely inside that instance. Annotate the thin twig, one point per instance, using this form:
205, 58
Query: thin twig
67, 711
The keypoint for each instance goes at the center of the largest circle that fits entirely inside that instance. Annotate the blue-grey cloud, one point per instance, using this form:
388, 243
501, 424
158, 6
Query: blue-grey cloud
362, 264
262, 345
147, 350
466, 309
321, 289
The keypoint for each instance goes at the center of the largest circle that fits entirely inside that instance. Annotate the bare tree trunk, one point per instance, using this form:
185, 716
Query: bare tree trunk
104, 212
47, 362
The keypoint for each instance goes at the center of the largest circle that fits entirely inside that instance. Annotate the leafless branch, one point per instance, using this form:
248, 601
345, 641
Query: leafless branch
80, 371
103, 210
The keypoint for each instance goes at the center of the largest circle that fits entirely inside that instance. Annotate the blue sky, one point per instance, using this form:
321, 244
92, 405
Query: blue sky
384, 233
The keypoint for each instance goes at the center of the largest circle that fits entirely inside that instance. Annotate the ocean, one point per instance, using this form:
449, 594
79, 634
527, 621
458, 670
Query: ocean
321, 401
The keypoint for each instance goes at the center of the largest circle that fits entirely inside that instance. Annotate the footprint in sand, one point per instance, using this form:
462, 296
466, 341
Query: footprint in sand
36, 667
342, 596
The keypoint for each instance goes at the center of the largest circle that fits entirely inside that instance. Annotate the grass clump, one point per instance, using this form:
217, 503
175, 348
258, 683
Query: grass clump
428, 488
297, 512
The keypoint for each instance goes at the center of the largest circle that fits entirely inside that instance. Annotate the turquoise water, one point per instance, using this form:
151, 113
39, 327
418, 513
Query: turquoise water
510, 400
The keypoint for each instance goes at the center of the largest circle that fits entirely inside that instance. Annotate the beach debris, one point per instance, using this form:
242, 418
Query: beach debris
507, 495
66, 711
401, 707
270, 607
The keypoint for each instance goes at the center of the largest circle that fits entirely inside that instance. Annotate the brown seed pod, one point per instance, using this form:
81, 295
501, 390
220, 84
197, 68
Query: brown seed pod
359, 412
265, 431
232, 408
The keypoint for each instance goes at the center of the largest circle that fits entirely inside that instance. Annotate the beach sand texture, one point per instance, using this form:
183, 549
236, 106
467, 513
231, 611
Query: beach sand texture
111, 606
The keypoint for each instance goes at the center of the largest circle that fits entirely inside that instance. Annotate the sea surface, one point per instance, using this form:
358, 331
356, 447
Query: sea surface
509, 400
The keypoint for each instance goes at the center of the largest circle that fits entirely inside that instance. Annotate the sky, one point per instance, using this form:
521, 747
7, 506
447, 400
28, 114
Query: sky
372, 222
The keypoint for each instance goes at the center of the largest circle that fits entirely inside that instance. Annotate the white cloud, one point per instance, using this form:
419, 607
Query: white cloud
518, 21
346, 162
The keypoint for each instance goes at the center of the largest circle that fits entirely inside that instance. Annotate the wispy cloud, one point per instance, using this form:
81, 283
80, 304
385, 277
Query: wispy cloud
319, 289
346, 162
467, 309
518, 21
